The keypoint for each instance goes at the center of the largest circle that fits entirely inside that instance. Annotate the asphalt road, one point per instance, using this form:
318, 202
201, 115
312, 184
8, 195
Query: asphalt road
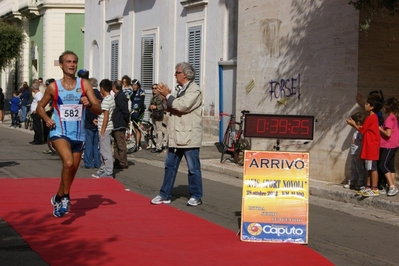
344, 233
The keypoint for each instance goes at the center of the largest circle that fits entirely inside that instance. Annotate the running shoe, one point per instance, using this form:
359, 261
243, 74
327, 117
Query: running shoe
98, 173
392, 191
54, 203
194, 202
103, 174
371, 193
160, 200
57, 210
65, 205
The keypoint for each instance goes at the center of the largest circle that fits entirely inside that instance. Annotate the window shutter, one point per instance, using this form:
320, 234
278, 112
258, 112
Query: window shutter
147, 68
194, 50
114, 60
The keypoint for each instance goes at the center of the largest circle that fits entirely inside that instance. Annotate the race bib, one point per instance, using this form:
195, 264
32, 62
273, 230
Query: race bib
71, 112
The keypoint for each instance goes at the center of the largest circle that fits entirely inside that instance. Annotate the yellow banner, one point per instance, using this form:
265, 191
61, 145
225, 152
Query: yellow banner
275, 197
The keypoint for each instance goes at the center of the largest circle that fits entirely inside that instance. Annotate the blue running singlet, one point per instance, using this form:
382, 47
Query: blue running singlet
69, 112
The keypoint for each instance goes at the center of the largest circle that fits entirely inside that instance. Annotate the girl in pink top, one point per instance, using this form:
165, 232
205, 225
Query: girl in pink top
389, 143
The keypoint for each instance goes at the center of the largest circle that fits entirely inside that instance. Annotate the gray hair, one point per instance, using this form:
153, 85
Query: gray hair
187, 69
93, 82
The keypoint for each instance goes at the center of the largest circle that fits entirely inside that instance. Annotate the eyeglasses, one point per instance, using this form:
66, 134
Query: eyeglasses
154, 88
177, 73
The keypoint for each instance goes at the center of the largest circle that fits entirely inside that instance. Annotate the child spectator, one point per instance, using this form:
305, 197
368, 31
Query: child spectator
14, 108
370, 144
389, 143
358, 174
105, 127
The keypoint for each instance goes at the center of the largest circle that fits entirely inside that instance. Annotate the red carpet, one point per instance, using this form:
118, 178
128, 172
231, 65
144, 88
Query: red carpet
110, 226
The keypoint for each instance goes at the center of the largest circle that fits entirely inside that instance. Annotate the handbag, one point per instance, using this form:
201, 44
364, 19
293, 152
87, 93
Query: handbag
157, 114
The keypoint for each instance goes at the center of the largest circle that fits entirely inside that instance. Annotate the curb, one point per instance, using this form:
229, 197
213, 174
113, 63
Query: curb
317, 188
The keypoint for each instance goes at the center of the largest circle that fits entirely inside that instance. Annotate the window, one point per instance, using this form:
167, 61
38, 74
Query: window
114, 60
147, 62
194, 50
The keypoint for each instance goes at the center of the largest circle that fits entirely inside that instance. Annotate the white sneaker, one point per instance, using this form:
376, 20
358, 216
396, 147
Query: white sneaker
159, 200
194, 202
98, 173
392, 191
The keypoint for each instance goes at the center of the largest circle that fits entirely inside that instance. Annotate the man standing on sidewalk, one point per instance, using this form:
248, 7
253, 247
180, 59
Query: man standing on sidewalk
184, 134
120, 118
37, 121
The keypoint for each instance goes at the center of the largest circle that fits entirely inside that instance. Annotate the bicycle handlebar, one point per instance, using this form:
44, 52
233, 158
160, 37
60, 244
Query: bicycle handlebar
243, 112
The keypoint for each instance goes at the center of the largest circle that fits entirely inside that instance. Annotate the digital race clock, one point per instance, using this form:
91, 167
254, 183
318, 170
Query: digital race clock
279, 126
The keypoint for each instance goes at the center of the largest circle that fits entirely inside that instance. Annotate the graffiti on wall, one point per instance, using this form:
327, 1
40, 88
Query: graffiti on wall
285, 88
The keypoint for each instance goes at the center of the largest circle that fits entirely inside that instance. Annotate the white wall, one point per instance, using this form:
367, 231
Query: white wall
170, 21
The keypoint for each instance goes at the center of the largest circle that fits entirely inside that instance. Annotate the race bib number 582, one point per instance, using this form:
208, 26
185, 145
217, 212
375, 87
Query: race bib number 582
71, 112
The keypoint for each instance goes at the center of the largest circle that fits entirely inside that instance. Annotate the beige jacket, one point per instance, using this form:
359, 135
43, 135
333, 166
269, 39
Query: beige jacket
185, 121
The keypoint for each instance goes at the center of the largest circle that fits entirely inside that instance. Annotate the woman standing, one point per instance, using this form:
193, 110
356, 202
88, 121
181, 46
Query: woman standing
138, 108
157, 113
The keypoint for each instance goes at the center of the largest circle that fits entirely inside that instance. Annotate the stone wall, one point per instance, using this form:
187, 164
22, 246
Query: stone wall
301, 57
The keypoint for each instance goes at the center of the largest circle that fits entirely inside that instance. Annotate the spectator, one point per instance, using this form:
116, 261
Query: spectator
120, 119
91, 155
37, 121
358, 174
184, 133
1, 106
105, 127
42, 86
370, 145
24, 96
127, 90
389, 143
138, 109
14, 108
48, 109
157, 113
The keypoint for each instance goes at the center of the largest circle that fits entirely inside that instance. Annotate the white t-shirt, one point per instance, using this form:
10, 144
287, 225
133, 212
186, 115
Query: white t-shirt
38, 96
108, 104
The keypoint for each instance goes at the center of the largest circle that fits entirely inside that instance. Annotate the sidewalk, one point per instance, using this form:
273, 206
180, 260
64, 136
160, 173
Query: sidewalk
210, 161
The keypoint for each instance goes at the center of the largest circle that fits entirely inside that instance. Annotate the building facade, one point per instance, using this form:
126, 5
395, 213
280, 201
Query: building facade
50, 28
309, 58
146, 39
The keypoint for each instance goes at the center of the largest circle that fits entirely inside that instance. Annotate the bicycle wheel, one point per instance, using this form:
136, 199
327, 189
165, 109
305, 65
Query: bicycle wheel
242, 145
224, 145
131, 143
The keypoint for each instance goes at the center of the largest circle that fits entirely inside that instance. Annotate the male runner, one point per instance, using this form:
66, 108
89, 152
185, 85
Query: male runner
70, 96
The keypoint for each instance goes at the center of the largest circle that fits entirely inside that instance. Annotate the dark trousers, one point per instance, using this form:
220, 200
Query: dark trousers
120, 149
14, 119
46, 130
37, 128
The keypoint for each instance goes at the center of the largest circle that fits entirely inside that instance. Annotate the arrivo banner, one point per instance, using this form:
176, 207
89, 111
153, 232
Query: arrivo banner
275, 200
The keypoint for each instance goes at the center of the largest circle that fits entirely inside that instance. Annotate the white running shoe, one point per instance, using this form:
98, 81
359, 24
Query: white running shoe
159, 200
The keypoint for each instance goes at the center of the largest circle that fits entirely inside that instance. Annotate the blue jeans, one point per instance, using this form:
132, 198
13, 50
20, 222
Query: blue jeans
91, 157
14, 119
23, 116
172, 162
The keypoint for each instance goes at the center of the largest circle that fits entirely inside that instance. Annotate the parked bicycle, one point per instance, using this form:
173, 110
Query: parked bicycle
146, 128
233, 142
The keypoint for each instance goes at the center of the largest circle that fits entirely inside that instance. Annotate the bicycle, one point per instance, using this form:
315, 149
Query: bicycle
146, 128
233, 142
